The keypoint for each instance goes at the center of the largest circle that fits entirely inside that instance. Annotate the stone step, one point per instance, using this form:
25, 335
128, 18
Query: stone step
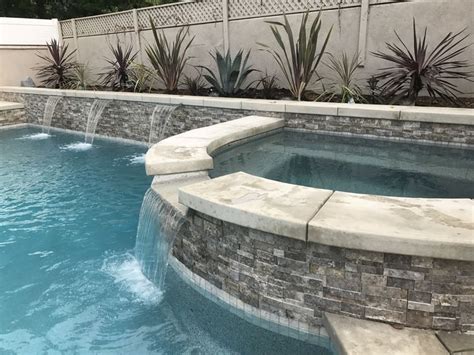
361, 337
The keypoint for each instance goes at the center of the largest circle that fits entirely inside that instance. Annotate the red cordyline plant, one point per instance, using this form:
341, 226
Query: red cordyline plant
119, 68
422, 68
58, 70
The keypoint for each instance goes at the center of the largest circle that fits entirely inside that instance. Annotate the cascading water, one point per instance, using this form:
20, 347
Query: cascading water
162, 113
157, 228
48, 113
95, 113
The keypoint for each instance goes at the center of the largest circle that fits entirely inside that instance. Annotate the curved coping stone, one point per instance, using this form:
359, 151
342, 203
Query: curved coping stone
189, 151
445, 115
6, 106
258, 203
439, 228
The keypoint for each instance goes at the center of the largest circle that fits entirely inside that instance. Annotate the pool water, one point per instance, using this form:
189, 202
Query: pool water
353, 165
69, 282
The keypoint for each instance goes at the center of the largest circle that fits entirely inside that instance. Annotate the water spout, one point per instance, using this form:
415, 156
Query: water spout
95, 113
49, 108
157, 228
162, 113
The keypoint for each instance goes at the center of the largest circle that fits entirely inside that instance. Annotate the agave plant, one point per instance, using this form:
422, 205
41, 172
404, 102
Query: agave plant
169, 59
142, 77
298, 58
343, 82
231, 73
410, 71
57, 72
118, 71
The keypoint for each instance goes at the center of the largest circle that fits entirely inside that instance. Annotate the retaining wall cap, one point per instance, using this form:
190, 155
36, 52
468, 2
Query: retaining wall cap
257, 203
445, 115
439, 228
189, 151
5, 106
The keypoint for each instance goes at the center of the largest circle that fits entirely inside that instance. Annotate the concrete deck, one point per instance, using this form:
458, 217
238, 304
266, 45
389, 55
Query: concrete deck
361, 337
190, 151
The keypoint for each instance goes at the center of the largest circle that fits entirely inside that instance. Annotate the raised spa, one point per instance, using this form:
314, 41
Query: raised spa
351, 164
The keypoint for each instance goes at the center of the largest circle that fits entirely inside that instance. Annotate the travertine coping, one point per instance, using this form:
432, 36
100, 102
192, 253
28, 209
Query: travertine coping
189, 151
440, 228
5, 106
387, 112
258, 203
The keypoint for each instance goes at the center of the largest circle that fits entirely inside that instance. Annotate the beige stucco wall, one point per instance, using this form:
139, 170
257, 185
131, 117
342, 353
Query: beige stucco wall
441, 17
17, 64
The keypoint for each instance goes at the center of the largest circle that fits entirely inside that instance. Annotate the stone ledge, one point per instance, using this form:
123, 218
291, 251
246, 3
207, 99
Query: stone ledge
189, 151
6, 106
257, 203
439, 228
387, 112
361, 337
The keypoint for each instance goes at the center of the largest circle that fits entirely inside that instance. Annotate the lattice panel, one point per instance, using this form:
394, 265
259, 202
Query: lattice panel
254, 8
181, 14
116, 22
66, 29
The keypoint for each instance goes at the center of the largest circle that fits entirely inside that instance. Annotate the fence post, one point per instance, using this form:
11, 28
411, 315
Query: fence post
225, 24
136, 29
74, 35
363, 26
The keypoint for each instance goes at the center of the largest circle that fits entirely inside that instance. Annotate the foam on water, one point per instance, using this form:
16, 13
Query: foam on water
77, 147
126, 271
137, 159
36, 136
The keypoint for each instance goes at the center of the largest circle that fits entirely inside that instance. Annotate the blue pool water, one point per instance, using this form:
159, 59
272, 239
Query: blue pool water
353, 165
69, 282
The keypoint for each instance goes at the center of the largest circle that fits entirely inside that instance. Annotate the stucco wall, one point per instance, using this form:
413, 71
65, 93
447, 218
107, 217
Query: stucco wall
440, 16
18, 63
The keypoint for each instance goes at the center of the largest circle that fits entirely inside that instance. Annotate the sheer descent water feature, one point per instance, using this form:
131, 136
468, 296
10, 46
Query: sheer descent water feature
95, 113
157, 228
158, 129
48, 112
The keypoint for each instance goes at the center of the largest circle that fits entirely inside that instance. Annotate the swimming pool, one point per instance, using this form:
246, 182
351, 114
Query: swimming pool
68, 279
353, 164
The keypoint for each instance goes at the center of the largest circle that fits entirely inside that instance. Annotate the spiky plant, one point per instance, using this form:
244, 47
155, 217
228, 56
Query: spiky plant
195, 85
142, 78
435, 70
268, 84
169, 58
231, 73
80, 79
297, 57
57, 72
117, 73
343, 81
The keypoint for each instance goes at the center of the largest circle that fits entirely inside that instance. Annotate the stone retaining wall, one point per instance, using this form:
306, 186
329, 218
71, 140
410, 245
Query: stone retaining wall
10, 117
131, 120
302, 280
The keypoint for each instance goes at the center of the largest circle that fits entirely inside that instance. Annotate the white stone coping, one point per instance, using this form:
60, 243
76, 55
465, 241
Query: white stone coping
257, 203
7, 106
438, 228
190, 151
387, 112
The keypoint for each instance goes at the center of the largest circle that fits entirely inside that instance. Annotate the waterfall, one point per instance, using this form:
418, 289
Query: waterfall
94, 115
48, 112
163, 114
157, 228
